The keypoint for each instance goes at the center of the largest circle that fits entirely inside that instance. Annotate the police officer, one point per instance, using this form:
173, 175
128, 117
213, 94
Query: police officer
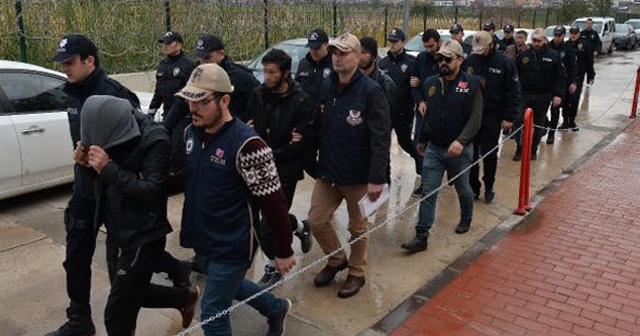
399, 66
502, 100
568, 57
78, 56
542, 80
172, 74
593, 45
316, 65
427, 66
210, 49
570, 110
508, 38
490, 27
454, 114
457, 33
521, 45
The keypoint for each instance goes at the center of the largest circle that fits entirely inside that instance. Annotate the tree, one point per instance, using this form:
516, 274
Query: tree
602, 7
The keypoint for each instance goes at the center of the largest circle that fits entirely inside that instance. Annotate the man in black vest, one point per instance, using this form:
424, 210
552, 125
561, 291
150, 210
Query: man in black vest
502, 101
568, 57
354, 155
454, 114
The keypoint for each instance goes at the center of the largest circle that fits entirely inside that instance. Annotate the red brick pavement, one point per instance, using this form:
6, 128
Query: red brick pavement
574, 270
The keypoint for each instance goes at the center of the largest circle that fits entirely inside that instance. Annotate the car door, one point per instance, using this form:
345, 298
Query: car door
37, 106
11, 167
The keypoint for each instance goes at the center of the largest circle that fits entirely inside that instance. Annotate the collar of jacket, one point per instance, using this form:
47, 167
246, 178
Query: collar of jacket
335, 80
177, 56
324, 62
88, 85
398, 57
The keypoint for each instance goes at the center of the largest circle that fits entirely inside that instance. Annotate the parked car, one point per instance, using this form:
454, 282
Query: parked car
296, 48
34, 129
625, 37
414, 46
604, 26
549, 32
635, 23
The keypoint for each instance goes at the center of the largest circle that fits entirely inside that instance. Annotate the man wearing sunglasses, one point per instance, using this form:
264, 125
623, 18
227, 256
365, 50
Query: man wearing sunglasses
502, 98
568, 57
452, 120
543, 80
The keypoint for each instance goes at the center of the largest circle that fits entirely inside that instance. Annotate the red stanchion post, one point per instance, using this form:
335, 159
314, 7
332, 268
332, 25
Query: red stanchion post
634, 106
525, 164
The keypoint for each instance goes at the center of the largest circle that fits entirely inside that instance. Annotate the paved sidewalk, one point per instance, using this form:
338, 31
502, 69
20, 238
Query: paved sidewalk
572, 267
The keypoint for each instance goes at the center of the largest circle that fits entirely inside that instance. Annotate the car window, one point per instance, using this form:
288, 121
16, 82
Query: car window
634, 24
415, 44
29, 92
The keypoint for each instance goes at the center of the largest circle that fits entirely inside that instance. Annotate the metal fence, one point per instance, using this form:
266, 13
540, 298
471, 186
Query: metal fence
126, 31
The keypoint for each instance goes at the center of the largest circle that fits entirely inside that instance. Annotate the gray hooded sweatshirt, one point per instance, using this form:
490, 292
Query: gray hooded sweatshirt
107, 121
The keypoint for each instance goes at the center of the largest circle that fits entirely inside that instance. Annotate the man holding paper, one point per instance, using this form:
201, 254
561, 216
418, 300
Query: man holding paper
354, 154
452, 120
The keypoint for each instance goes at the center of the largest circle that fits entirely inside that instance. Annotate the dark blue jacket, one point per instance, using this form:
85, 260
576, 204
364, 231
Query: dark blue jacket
96, 84
218, 210
172, 75
502, 94
355, 136
427, 67
569, 61
400, 68
311, 74
244, 85
449, 108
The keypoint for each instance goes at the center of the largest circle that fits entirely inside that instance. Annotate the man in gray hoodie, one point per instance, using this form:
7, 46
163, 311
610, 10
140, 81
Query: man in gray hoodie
130, 153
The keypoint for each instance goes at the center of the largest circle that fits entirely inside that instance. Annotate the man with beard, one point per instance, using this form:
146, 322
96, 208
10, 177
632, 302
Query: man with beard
229, 174
593, 44
354, 155
542, 81
508, 39
282, 115
570, 109
454, 114
399, 66
427, 66
502, 100
568, 57
521, 45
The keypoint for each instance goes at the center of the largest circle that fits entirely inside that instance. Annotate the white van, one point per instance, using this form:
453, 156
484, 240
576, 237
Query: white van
606, 28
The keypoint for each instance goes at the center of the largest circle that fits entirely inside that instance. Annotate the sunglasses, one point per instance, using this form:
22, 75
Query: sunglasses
444, 59
558, 34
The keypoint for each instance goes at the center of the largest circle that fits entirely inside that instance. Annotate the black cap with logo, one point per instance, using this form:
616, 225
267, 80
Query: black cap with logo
574, 29
489, 26
170, 37
317, 38
73, 45
559, 30
397, 35
456, 28
508, 28
206, 44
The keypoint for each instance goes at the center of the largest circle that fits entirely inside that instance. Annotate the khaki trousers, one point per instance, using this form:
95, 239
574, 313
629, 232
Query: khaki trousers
325, 200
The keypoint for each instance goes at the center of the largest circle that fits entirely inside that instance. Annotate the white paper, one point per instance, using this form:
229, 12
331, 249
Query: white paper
368, 207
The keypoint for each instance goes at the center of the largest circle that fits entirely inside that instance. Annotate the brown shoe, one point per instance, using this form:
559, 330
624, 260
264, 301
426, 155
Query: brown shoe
351, 287
328, 273
189, 309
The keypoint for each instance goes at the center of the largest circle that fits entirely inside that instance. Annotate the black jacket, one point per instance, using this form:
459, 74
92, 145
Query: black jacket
386, 83
171, 76
541, 72
96, 84
569, 59
355, 136
275, 117
133, 182
502, 93
244, 85
504, 43
311, 74
583, 57
592, 40
427, 66
400, 68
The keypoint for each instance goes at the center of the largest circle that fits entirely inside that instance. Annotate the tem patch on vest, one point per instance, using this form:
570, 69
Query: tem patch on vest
326, 72
218, 157
188, 146
432, 91
463, 87
354, 118
404, 67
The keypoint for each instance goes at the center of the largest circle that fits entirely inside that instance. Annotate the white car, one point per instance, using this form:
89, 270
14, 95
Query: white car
36, 145
604, 26
414, 45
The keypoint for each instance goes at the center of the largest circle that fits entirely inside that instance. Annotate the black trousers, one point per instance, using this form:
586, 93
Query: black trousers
570, 109
486, 139
178, 145
131, 289
266, 235
79, 219
402, 123
539, 103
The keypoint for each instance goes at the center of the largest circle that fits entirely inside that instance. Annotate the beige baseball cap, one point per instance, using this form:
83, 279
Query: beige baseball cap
450, 48
481, 41
539, 34
346, 43
206, 80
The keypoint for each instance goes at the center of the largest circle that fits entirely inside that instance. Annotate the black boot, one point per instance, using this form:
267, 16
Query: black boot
518, 155
463, 226
419, 243
79, 323
551, 137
